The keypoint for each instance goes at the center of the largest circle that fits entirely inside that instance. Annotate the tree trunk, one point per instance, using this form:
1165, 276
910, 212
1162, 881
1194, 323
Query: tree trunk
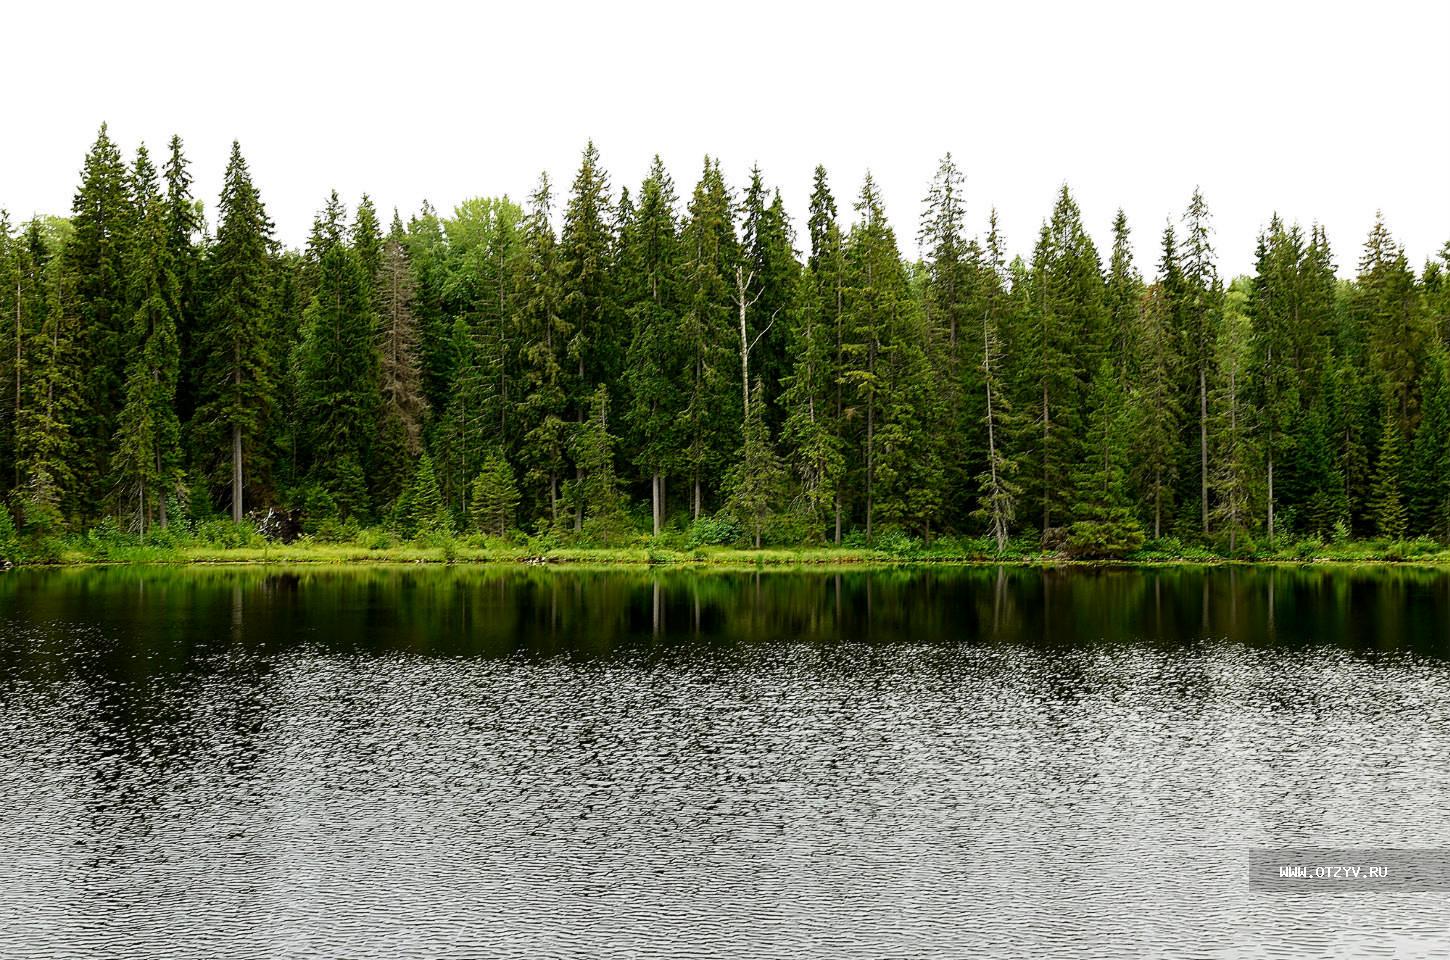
236, 473
1203, 443
1271, 493
657, 491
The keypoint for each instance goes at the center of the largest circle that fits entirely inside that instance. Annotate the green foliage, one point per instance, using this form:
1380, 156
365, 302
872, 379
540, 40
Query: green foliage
756, 484
713, 531
461, 369
1386, 503
494, 503
596, 493
10, 552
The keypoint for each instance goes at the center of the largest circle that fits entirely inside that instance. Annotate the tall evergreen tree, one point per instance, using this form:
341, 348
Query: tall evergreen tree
543, 336
1064, 321
655, 361
1198, 311
1103, 522
237, 390
1387, 505
400, 376
103, 221
755, 484
493, 506
147, 459
596, 490
337, 373
997, 482
709, 251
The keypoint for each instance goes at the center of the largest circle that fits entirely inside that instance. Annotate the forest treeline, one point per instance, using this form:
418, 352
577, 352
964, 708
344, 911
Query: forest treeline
674, 359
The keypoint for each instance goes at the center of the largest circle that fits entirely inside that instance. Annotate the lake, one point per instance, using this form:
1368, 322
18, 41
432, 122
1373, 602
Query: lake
484, 762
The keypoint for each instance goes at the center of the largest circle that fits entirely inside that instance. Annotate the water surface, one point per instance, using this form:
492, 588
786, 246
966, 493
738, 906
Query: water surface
395, 762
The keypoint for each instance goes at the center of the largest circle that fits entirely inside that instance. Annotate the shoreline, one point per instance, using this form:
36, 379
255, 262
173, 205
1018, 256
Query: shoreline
344, 555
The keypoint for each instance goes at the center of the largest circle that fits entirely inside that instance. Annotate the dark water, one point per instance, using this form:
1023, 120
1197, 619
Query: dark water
408, 762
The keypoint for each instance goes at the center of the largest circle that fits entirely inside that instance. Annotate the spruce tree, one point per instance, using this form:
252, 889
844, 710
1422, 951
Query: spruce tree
655, 358
585, 303
367, 239
494, 503
337, 373
400, 379
184, 227
756, 484
1157, 426
103, 221
998, 489
1123, 301
596, 492
1391, 312
237, 389
1387, 505
147, 458
1429, 469
421, 509
1064, 320
827, 270
809, 432
1103, 522
543, 336
1235, 452
710, 418
1198, 311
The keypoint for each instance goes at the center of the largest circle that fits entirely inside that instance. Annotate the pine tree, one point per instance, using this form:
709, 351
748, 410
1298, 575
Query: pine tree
147, 460
1235, 454
809, 431
1387, 506
1064, 319
955, 290
494, 503
1123, 300
655, 362
367, 239
827, 271
53, 395
1198, 311
769, 265
1273, 307
337, 373
184, 229
997, 483
237, 390
585, 303
400, 379
595, 492
1429, 473
420, 509
1391, 312
103, 220
1103, 522
1157, 426
756, 483
709, 251
543, 334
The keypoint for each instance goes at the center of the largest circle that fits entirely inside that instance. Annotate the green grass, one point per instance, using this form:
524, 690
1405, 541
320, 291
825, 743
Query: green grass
471, 550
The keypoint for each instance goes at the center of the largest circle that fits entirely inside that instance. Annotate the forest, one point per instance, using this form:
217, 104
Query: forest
603, 365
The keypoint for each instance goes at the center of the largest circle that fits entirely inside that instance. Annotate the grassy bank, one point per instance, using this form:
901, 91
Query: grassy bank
240, 545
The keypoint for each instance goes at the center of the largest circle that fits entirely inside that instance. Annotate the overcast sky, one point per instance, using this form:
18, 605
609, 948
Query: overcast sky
1321, 111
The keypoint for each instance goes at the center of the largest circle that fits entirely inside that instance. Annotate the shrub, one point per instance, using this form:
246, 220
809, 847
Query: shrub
716, 531
9, 539
225, 533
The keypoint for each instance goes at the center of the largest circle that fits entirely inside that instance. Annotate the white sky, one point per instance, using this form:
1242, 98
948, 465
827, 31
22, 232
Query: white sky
1322, 111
